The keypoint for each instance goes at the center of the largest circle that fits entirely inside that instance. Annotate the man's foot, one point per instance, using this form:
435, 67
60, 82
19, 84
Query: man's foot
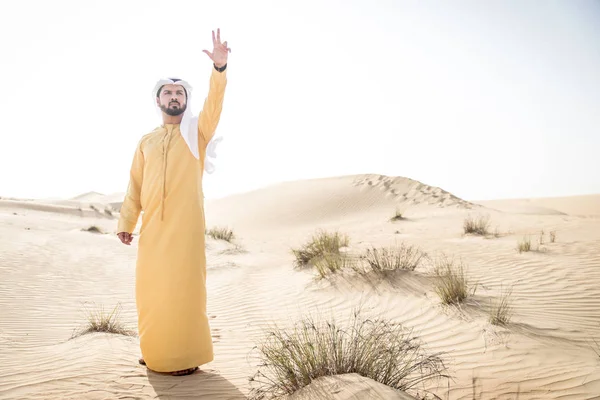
188, 371
183, 372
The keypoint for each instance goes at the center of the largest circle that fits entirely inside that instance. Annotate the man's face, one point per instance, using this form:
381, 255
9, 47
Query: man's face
172, 99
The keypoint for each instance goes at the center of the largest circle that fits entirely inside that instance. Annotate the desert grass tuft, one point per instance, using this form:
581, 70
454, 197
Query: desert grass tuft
374, 348
524, 245
321, 244
501, 311
394, 258
541, 239
99, 320
221, 233
451, 282
552, 236
332, 263
477, 225
398, 215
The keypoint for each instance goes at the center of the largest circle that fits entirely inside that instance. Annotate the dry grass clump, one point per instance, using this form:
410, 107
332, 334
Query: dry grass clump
398, 216
332, 263
321, 244
477, 225
524, 245
394, 258
451, 283
501, 311
107, 322
374, 348
220, 233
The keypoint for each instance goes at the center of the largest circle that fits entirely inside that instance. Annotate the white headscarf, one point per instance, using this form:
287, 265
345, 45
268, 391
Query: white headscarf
189, 124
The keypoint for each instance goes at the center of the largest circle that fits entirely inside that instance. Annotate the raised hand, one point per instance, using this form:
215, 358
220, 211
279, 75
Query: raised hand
220, 50
125, 237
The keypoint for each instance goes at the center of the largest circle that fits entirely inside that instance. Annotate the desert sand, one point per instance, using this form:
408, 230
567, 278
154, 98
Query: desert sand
53, 269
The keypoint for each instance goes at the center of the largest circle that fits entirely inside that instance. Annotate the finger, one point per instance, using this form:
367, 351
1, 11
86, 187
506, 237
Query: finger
218, 35
213, 38
208, 53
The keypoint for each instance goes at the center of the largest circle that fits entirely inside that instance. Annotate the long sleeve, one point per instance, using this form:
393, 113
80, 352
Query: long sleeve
211, 111
131, 208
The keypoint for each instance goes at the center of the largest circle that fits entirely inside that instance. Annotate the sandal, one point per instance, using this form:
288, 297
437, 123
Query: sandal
183, 372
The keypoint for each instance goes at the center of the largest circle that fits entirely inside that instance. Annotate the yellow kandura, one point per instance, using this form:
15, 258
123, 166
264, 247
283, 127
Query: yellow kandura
165, 187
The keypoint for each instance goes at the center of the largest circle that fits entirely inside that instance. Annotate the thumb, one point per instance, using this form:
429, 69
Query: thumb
208, 53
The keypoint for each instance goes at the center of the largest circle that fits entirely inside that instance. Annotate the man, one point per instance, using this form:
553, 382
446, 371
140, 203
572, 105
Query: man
165, 187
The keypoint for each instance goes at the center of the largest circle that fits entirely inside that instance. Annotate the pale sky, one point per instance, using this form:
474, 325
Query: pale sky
485, 99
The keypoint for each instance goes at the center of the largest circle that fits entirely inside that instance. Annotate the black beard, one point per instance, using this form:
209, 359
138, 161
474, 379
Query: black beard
173, 111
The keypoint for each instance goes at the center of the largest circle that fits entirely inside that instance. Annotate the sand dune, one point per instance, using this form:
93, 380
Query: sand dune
52, 269
583, 206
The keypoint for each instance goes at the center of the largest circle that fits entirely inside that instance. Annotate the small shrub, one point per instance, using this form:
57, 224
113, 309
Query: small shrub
332, 263
374, 348
217, 233
476, 226
451, 284
552, 236
394, 258
501, 311
107, 322
524, 245
399, 215
322, 243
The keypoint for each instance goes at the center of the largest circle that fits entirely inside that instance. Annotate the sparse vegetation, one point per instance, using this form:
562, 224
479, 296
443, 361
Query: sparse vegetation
552, 236
451, 284
321, 244
332, 263
399, 215
477, 225
524, 245
106, 322
501, 311
221, 233
394, 258
373, 348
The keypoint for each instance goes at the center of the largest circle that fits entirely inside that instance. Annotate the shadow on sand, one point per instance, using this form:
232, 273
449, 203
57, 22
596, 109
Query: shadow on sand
200, 385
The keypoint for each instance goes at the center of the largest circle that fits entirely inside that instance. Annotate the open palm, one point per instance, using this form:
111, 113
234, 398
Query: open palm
220, 50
